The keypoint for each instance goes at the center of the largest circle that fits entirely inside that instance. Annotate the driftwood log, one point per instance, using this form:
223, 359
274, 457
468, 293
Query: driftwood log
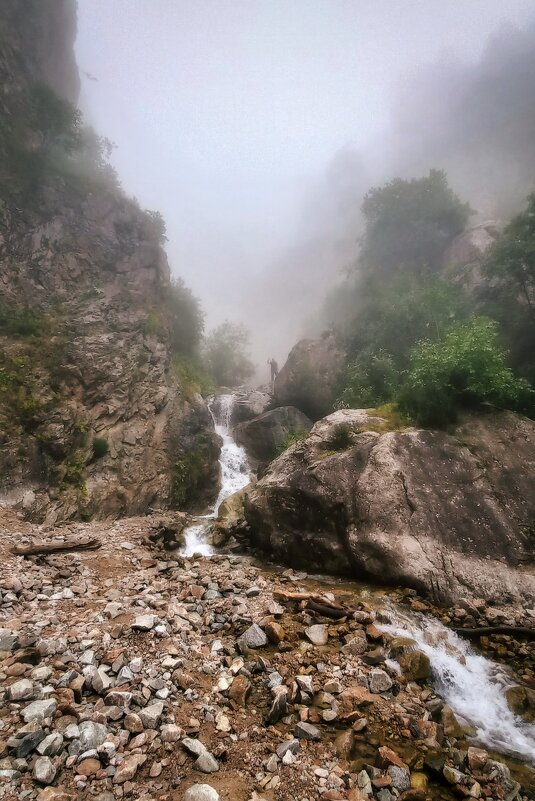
485, 631
57, 546
315, 603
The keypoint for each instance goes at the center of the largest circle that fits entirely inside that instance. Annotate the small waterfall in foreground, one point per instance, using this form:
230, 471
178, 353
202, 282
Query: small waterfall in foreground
472, 685
235, 474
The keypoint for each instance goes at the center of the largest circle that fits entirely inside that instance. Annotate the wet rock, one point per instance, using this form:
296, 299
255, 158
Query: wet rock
415, 665
44, 771
201, 792
521, 701
452, 726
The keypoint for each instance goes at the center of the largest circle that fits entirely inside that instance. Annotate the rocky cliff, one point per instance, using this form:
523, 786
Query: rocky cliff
450, 514
94, 419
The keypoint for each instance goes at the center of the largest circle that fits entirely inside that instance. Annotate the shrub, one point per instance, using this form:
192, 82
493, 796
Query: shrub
341, 438
465, 369
100, 447
370, 380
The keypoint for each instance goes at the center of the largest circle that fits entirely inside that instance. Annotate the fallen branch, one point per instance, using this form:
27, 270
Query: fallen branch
316, 603
483, 631
56, 546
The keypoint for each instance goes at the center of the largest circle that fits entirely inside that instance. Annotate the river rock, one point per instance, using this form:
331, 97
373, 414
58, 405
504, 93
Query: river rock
318, 634
201, 792
396, 505
263, 436
415, 665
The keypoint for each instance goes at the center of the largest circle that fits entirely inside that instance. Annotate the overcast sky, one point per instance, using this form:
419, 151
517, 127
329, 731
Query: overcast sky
226, 112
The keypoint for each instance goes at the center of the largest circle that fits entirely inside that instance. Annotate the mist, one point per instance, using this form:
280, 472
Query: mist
256, 128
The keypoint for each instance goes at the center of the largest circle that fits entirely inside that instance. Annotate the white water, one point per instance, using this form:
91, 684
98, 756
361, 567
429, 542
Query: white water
471, 684
235, 474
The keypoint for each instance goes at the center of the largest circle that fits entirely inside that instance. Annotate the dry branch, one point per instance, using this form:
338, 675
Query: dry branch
57, 546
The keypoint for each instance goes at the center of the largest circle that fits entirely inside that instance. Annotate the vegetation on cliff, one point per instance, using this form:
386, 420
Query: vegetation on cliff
413, 334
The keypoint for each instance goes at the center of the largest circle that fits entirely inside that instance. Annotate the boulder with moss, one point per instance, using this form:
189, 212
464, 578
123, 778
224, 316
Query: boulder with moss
449, 514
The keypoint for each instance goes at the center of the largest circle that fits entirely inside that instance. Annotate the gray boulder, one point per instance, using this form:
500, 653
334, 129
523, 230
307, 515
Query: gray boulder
449, 514
311, 377
265, 435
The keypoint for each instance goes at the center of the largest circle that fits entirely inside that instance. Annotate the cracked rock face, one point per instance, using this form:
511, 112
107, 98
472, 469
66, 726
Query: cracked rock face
446, 513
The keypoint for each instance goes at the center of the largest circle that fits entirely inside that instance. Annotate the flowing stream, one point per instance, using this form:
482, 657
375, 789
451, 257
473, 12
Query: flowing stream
472, 685
235, 474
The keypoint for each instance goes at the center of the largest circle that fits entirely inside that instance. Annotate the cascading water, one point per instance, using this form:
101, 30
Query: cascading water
235, 474
472, 685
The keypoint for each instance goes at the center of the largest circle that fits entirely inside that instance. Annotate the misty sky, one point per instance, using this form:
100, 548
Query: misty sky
226, 113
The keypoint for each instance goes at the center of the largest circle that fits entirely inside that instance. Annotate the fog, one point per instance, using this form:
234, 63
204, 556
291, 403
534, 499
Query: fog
256, 126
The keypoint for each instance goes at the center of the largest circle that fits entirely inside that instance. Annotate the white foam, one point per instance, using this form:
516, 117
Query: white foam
472, 685
235, 474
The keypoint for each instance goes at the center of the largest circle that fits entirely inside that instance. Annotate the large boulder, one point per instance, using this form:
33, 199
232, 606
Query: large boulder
249, 404
310, 379
450, 514
264, 436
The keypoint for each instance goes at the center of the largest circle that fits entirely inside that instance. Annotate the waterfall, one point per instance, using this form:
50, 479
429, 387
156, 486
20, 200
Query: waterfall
472, 685
235, 474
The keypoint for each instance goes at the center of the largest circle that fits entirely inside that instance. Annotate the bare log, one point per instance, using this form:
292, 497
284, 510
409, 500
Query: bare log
57, 546
485, 631
316, 603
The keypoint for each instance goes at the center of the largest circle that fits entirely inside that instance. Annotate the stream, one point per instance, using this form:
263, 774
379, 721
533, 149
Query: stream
235, 474
471, 684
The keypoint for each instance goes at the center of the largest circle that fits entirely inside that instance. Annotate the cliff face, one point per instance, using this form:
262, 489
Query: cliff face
93, 418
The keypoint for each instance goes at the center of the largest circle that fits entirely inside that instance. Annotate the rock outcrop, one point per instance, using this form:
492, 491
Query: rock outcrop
94, 421
263, 436
310, 379
249, 404
449, 514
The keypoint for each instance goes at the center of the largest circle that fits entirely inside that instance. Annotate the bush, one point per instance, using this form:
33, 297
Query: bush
341, 438
186, 319
465, 369
371, 380
100, 447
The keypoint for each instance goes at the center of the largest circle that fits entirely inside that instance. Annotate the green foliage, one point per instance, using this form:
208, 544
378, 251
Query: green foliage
100, 447
43, 137
289, 440
411, 223
21, 323
391, 317
341, 438
186, 319
466, 369
158, 223
510, 268
225, 355
188, 477
193, 378
371, 379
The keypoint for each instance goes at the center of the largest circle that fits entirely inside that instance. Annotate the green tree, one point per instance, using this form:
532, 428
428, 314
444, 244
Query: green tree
411, 223
465, 369
186, 319
225, 354
510, 294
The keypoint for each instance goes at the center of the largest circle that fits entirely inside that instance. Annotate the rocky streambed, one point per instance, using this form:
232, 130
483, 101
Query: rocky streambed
130, 672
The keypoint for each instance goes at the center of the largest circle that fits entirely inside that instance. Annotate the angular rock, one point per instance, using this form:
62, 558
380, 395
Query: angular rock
39, 710
150, 715
379, 681
318, 634
254, 637
206, 763
44, 770
306, 731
